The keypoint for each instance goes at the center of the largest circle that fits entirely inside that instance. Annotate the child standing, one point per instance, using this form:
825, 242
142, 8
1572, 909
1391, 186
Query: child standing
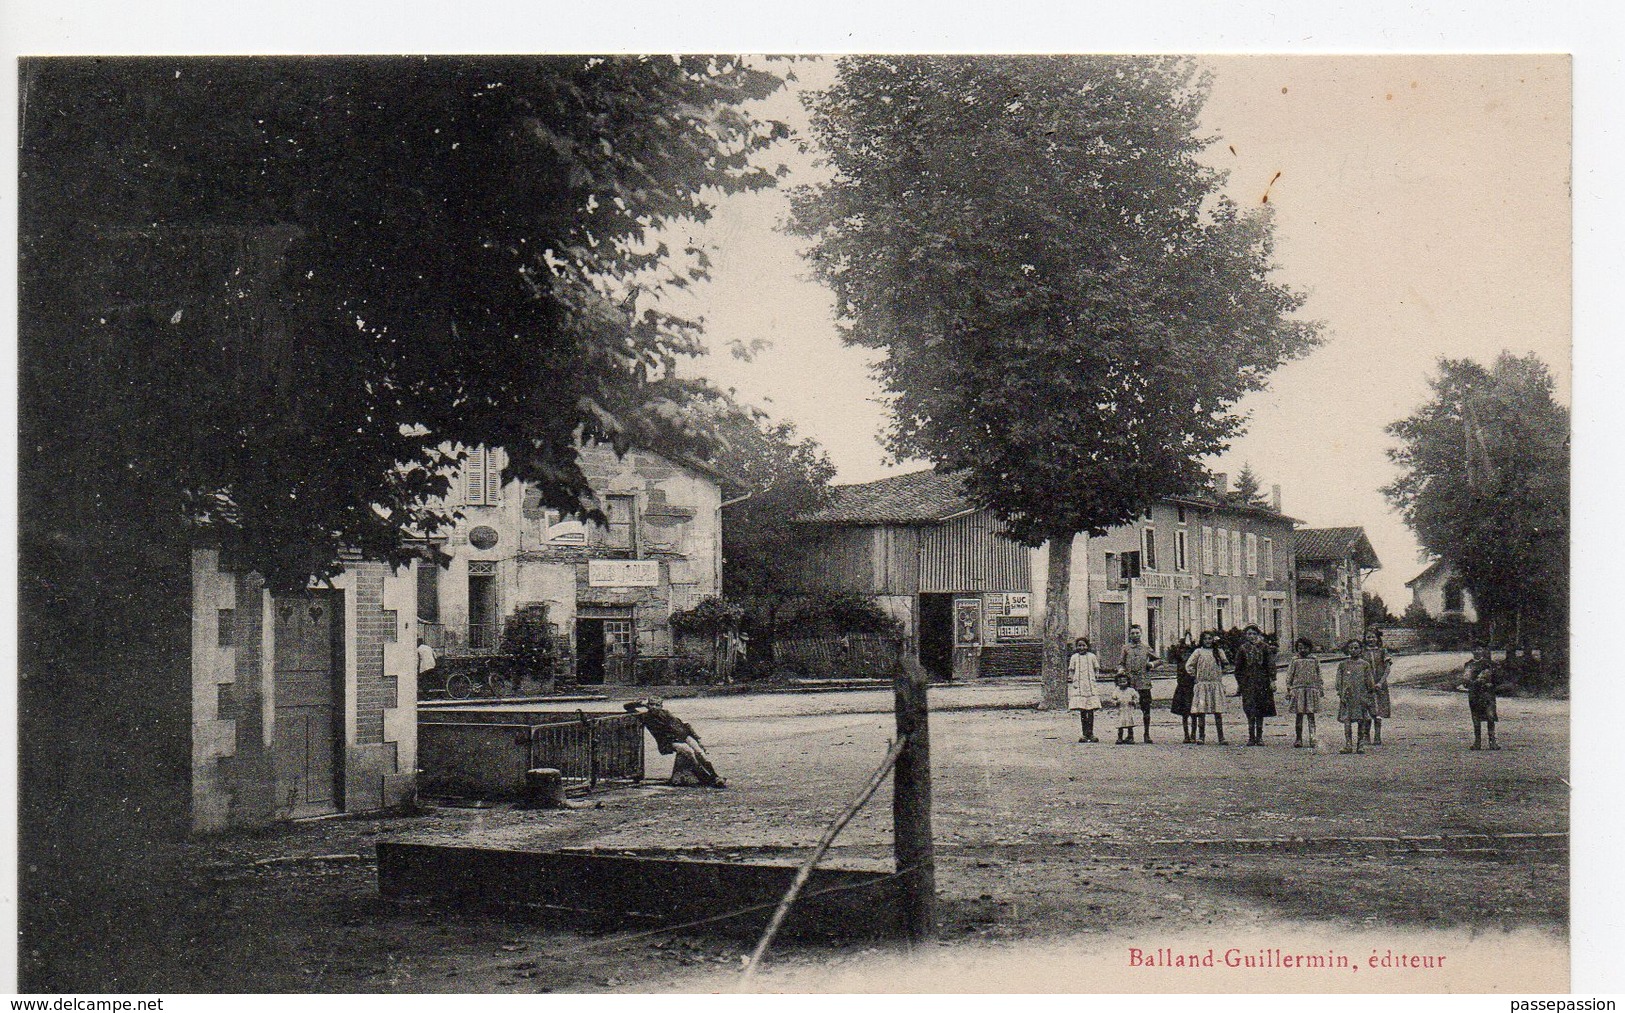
1481, 674
1207, 693
1355, 687
1082, 669
1304, 688
1381, 704
1126, 702
1184, 687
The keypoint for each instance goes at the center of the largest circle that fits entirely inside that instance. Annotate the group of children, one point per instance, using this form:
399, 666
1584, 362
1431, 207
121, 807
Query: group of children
1362, 690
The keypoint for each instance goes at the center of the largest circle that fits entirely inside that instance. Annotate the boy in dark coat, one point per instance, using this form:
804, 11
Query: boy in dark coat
675, 737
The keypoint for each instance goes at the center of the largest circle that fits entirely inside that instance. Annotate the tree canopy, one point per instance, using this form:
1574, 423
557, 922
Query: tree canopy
261, 297
1485, 485
787, 476
1069, 308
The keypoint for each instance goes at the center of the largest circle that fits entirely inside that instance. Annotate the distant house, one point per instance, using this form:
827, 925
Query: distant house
609, 589
1332, 566
1440, 592
934, 561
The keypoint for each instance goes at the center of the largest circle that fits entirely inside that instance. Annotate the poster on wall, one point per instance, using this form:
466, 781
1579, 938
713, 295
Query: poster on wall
1009, 628
1018, 603
967, 621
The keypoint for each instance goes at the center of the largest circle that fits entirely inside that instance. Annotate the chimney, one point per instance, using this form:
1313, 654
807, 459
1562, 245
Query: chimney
1275, 497
1221, 484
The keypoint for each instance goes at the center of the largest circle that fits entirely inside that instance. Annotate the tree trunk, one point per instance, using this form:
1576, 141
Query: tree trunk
1057, 606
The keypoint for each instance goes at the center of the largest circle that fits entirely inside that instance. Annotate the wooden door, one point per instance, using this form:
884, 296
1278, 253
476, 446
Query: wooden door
308, 688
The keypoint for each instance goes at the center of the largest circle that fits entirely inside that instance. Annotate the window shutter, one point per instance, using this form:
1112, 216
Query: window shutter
474, 474
493, 478
1207, 550
1252, 554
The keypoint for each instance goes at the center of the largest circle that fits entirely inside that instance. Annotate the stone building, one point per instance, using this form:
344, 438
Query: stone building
609, 590
1332, 566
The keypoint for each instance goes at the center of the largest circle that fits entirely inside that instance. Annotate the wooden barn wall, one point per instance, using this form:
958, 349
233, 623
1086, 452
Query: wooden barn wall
897, 560
837, 559
967, 554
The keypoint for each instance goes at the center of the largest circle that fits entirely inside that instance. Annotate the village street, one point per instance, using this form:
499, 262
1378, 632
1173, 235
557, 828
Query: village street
1042, 842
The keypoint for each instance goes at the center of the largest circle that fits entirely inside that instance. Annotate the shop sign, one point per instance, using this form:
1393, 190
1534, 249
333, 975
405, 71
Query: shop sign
1018, 603
1167, 581
623, 573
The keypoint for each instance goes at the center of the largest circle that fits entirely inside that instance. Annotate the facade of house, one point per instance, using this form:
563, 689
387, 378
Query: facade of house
1192, 563
609, 589
936, 563
303, 704
1332, 566
1440, 592
972, 602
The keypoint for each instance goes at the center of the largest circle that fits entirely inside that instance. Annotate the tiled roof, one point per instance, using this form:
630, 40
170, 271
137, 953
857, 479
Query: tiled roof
1232, 503
1335, 543
920, 497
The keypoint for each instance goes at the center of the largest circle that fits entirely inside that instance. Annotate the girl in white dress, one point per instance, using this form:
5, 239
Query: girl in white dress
1081, 695
1207, 669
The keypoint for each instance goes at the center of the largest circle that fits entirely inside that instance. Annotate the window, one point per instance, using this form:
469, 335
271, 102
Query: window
1148, 537
1269, 559
482, 477
428, 591
1221, 613
1235, 553
1222, 551
1252, 554
1207, 549
1153, 624
1179, 512
1454, 600
1276, 614
1130, 565
1181, 559
1185, 614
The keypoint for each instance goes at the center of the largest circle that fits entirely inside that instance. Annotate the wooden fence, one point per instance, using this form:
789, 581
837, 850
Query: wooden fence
839, 656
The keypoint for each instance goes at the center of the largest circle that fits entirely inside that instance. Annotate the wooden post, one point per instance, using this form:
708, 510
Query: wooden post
911, 805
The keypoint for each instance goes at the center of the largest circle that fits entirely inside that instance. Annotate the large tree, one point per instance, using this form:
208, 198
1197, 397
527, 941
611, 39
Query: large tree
787, 475
258, 300
1068, 306
272, 292
1486, 486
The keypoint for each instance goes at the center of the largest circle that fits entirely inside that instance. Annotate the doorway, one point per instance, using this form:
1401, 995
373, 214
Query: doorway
1113, 632
482, 613
308, 690
937, 635
590, 653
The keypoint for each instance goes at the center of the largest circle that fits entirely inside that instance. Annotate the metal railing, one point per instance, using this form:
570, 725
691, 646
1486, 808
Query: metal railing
488, 758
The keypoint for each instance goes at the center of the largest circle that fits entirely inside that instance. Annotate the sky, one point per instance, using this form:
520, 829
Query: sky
1422, 204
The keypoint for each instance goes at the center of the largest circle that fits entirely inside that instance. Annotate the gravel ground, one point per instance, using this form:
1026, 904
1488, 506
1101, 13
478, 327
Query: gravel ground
1046, 847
